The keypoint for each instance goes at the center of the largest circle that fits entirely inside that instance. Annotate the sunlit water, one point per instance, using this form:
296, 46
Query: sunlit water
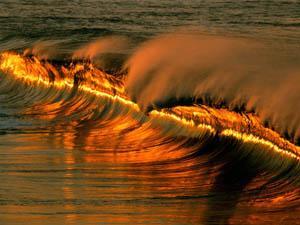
90, 165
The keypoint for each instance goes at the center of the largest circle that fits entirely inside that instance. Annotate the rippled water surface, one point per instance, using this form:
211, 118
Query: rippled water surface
72, 157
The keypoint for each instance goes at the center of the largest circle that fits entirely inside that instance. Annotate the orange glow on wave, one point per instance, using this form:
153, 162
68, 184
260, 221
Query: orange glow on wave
245, 127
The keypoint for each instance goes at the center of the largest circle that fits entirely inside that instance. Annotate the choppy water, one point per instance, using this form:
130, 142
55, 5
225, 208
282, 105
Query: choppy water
68, 157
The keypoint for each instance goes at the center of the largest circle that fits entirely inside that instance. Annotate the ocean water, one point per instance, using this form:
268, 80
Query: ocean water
77, 22
69, 155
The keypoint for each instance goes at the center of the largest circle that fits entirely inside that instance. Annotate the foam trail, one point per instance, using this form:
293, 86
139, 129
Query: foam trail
232, 72
43, 49
100, 46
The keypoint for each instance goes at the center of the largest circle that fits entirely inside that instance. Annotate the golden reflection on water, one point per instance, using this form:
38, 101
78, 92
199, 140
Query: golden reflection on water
86, 78
107, 187
57, 177
84, 165
87, 187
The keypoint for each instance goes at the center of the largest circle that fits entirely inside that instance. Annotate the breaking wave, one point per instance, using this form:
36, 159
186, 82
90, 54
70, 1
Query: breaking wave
242, 159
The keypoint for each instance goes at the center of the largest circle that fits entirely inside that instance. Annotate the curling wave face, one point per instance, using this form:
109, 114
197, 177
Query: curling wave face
84, 108
86, 78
